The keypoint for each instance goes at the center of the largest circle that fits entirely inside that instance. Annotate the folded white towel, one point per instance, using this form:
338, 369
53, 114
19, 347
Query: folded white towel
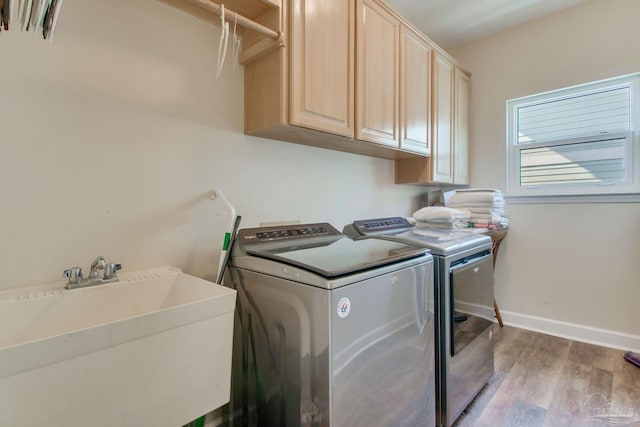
461, 198
441, 214
496, 203
486, 211
455, 225
489, 218
498, 210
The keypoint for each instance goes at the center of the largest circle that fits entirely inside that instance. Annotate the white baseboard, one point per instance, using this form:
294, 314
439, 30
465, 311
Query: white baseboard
603, 337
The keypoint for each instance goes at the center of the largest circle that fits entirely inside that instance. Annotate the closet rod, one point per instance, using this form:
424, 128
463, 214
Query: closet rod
232, 16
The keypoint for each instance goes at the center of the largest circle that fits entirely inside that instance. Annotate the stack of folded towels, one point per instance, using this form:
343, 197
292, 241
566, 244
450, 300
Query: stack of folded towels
485, 205
442, 217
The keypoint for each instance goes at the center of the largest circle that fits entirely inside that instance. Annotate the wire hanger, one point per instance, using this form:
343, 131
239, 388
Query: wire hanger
224, 38
38, 16
25, 15
5, 15
50, 19
236, 42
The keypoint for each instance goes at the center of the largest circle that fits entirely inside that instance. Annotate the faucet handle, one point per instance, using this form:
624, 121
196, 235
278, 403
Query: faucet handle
99, 262
110, 270
74, 275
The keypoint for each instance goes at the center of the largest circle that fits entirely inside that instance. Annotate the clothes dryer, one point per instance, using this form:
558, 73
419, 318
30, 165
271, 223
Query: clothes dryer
464, 306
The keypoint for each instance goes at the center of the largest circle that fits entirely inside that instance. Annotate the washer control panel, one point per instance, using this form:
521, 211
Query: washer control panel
285, 232
380, 225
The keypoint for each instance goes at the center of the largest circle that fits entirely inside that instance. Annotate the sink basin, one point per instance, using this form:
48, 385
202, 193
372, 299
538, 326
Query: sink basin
153, 349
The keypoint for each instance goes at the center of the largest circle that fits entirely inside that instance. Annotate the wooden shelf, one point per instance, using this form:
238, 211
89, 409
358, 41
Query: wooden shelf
248, 8
259, 22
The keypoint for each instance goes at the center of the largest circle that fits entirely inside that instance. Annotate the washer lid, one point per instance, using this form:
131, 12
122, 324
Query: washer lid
440, 241
443, 242
338, 255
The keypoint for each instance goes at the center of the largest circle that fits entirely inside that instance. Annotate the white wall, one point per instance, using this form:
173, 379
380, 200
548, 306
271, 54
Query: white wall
563, 268
112, 137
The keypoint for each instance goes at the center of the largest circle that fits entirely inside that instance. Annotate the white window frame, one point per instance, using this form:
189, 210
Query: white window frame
627, 191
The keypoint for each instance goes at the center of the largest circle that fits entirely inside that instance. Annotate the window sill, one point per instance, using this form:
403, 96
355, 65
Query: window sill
566, 199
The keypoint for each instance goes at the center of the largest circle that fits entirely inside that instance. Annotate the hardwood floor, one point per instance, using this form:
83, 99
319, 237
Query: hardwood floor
546, 381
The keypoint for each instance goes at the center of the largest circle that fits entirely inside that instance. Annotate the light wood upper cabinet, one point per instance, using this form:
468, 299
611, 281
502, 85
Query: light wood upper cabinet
449, 161
443, 78
461, 128
377, 74
353, 76
305, 92
393, 75
322, 65
415, 92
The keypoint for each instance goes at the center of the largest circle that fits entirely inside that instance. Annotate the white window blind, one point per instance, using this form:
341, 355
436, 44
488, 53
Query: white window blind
577, 115
577, 140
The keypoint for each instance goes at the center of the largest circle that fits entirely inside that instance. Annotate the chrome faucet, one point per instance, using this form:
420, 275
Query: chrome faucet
97, 264
109, 274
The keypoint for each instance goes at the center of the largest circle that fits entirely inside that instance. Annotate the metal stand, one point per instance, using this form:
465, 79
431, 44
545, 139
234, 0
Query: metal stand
497, 236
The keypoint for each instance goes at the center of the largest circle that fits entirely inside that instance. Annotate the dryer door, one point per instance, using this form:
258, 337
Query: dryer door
471, 282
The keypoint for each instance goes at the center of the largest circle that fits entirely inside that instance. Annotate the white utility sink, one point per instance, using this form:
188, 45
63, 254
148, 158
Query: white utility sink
153, 349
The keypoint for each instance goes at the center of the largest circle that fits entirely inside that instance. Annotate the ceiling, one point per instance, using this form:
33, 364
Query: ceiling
450, 23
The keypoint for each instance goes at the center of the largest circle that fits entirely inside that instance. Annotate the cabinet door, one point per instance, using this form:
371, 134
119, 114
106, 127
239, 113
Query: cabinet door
442, 159
461, 128
415, 92
322, 65
377, 67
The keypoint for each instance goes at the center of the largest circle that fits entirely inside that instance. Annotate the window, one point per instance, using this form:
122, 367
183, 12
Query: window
578, 141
